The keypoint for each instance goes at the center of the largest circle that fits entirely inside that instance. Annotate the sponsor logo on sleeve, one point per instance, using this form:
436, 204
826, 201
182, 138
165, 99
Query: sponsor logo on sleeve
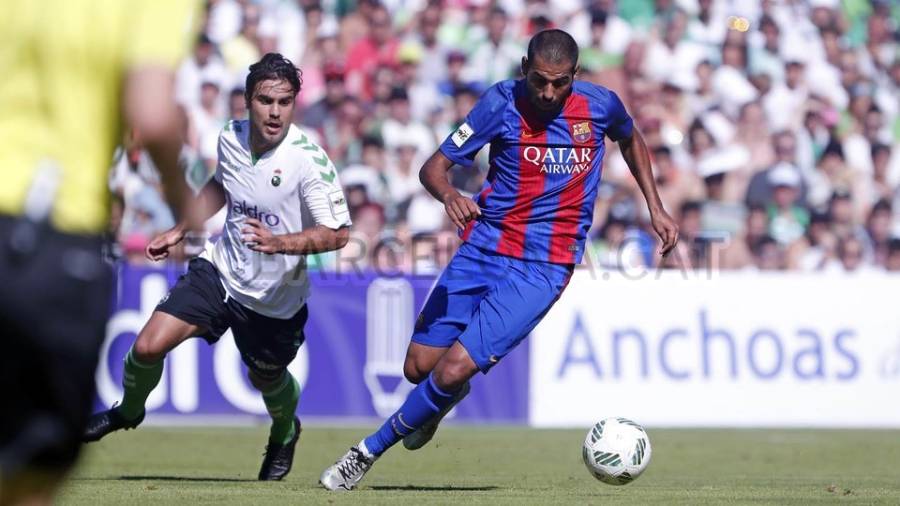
462, 134
338, 203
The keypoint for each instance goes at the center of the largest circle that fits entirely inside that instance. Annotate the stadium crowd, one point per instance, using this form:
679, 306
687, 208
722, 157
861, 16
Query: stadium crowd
774, 125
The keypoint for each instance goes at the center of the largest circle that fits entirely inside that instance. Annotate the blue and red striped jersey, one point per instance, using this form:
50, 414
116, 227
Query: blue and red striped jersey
537, 201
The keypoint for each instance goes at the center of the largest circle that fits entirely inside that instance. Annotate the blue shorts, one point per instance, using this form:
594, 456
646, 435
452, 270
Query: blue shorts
489, 303
267, 345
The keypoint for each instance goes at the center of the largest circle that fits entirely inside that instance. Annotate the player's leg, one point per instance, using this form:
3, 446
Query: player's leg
504, 317
281, 394
449, 308
446, 314
268, 346
193, 307
431, 399
513, 308
144, 361
142, 372
420, 360
433, 394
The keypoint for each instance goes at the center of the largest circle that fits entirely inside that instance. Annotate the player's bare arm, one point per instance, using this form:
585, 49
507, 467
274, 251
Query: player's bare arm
319, 239
207, 203
434, 178
150, 110
636, 155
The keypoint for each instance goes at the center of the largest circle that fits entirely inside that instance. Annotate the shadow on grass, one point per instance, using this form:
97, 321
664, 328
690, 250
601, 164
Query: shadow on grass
181, 478
447, 488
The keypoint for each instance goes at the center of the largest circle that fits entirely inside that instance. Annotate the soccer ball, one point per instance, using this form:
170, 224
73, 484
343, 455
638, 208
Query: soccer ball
616, 451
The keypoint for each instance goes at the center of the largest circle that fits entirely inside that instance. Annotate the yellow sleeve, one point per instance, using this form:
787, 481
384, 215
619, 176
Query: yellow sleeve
161, 31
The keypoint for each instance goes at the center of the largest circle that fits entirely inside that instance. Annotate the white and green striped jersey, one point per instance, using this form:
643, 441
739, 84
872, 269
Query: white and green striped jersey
291, 187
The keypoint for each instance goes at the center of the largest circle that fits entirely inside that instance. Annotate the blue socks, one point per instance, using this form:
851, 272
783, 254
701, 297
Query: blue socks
425, 401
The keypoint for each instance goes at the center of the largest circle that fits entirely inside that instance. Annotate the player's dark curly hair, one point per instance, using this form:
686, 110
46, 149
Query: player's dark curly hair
553, 46
273, 66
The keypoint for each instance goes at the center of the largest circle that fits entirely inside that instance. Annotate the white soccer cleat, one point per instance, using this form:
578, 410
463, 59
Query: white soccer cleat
347, 472
423, 434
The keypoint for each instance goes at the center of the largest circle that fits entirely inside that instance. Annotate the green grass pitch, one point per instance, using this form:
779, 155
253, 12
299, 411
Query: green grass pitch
494, 465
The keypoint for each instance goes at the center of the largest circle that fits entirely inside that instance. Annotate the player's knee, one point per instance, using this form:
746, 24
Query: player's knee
147, 349
413, 372
265, 382
451, 374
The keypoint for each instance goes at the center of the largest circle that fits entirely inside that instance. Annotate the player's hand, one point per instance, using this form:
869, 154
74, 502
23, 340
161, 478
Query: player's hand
158, 249
259, 238
460, 209
666, 229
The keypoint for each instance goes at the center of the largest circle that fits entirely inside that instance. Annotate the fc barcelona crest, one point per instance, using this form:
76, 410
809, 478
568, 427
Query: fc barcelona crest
276, 179
581, 132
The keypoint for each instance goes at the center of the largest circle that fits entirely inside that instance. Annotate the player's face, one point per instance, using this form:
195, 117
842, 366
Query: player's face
549, 84
271, 110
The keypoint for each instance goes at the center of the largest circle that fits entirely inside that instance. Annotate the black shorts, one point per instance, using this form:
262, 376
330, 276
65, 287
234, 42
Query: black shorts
267, 345
55, 294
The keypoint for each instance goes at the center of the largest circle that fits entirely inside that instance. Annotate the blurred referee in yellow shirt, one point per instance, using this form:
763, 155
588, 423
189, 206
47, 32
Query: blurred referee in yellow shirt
73, 75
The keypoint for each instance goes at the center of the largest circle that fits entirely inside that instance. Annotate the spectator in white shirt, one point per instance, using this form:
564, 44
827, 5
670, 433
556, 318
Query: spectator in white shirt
496, 57
203, 64
784, 104
672, 52
400, 128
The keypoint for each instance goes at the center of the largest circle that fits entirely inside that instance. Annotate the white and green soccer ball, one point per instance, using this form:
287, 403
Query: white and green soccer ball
616, 451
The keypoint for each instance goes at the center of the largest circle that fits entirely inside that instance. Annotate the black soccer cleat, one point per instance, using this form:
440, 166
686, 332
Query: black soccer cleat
278, 458
102, 423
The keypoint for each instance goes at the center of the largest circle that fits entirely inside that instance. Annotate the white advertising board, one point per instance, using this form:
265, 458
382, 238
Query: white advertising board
676, 349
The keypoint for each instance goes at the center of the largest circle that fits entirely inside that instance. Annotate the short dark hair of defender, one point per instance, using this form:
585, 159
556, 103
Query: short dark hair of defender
273, 66
553, 46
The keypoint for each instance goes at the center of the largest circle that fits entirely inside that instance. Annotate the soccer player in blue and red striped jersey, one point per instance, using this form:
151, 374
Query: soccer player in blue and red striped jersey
523, 233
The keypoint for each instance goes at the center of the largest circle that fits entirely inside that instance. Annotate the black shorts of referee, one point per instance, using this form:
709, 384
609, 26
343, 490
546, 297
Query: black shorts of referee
55, 294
